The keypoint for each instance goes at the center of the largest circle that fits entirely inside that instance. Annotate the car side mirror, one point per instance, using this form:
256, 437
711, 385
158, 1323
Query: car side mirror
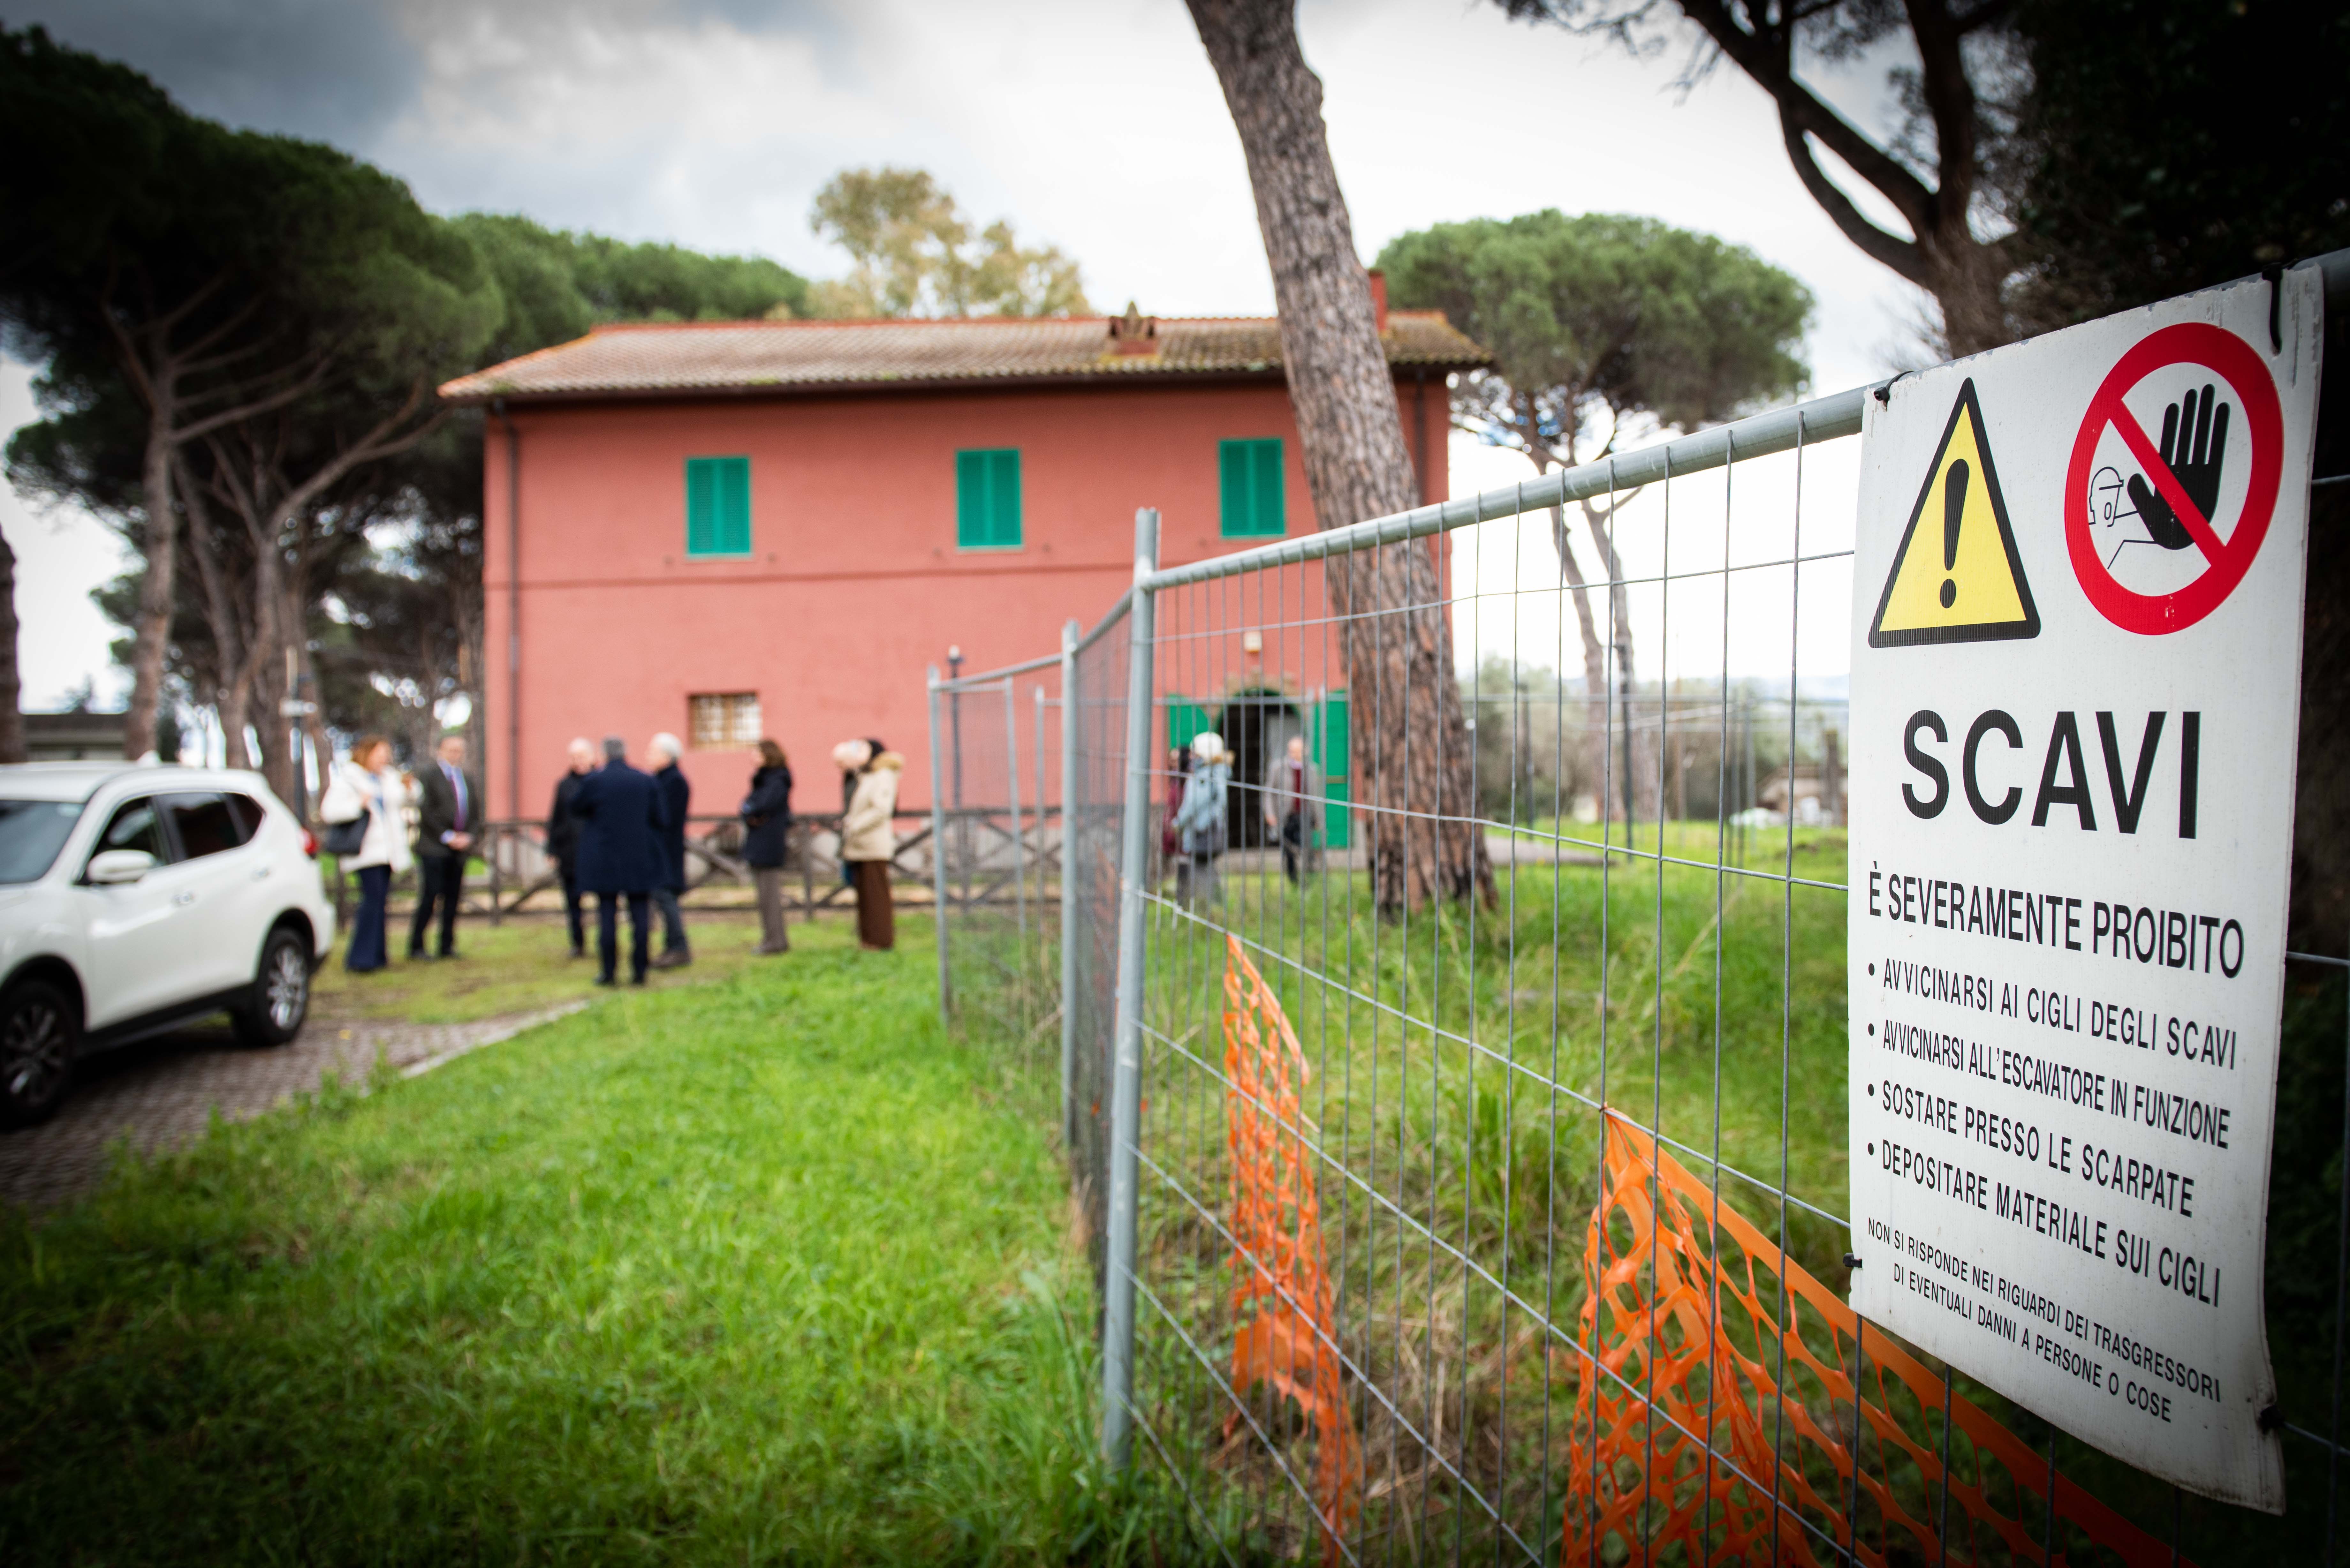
115, 867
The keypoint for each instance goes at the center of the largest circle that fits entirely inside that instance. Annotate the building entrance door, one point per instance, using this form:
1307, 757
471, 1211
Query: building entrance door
1256, 727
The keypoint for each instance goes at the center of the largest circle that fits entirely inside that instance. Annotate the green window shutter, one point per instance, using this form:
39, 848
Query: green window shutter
970, 500
1003, 493
1249, 474
1184, 721
734, 506
717, 506
1337, 818
987, 499
701, 504
1231, 460
1272, 505
1332, 739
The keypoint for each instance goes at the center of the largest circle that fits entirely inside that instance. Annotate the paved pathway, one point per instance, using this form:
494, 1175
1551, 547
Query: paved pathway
161, 1092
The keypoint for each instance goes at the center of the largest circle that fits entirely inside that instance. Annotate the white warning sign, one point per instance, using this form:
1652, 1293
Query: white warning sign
2076, 654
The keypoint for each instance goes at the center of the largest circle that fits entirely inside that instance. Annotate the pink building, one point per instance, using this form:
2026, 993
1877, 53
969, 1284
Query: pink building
733, 529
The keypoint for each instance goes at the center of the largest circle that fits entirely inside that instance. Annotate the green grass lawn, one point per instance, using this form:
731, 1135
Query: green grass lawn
1711, 1006
757, 1268
526, 964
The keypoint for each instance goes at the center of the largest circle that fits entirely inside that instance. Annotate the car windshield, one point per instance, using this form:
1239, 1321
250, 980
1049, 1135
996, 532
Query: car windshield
31, 834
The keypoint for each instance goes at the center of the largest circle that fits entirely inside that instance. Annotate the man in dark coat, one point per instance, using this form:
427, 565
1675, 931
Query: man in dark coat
562, 839
621, 827
448, 811
677, 796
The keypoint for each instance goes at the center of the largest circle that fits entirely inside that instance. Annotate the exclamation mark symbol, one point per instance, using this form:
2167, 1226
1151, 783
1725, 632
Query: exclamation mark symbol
1954, 511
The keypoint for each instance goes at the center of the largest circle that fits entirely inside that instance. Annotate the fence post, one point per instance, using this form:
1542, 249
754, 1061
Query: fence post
1126, 1089
937, 855
1039, 777
1019, 860
1068, 883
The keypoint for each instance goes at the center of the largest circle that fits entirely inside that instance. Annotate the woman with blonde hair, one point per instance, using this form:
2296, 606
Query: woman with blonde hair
364, 799
867, 843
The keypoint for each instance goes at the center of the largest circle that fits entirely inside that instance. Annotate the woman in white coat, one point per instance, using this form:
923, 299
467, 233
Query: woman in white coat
866, 844
365, 787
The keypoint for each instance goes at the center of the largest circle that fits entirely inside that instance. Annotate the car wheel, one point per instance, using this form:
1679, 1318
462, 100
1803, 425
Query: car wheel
281, 991
38, 1030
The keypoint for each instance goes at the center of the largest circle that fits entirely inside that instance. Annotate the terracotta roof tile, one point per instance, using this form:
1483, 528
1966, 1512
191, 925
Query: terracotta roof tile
754, 356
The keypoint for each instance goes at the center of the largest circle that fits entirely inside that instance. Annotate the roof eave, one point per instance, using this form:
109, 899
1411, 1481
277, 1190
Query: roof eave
480, 396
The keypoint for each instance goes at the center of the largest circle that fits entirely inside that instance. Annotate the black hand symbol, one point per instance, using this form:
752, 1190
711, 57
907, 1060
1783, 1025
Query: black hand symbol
2194, 444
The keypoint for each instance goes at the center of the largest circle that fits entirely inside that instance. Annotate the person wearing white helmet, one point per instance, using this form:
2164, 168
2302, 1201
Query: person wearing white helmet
1199, 824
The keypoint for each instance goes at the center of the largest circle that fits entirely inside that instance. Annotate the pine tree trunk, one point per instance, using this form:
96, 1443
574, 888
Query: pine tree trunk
1964, 275
268, 694
2320, 910
151, 630
1624, 769
12, 719
239, 692
284, 662
203, 542
1607, 781
235, 711
1411, 759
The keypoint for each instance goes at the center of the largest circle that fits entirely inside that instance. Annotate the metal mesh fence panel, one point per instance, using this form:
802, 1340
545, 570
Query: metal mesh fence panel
1513, 1226
1095, 789
1653, 947
996, 865
1031, 787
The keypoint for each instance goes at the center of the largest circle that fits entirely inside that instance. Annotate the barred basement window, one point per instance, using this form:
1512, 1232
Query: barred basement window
722, 721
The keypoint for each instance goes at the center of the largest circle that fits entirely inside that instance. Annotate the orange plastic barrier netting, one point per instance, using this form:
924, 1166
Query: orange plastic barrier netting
1287, 1334
1646, 1490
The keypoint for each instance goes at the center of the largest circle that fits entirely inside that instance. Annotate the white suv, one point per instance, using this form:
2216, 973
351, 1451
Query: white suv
134, 898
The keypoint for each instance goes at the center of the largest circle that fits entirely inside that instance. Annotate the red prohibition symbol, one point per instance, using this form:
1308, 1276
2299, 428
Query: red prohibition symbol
2234, 361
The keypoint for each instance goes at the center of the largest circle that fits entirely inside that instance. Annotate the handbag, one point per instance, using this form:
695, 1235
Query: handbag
344, 839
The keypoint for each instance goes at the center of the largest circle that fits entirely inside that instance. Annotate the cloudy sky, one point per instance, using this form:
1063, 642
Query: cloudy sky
1097, 126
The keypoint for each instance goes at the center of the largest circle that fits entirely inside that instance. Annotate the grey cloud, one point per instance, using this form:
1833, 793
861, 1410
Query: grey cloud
549, 26
341, 72
331, 70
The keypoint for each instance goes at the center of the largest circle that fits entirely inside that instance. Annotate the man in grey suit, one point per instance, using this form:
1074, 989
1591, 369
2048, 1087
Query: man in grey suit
448, 809
1292, 807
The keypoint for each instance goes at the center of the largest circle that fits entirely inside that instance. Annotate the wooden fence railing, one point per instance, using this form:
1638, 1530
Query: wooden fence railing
513, 874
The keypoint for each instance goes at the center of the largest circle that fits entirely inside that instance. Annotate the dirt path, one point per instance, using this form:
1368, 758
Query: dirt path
161, 1092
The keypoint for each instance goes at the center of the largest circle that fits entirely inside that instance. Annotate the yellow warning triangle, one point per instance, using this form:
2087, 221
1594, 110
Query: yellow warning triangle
1957, 577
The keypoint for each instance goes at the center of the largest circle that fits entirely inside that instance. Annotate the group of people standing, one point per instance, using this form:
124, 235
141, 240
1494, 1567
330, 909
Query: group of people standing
620, 835
613, 831
1195, 835
364, 807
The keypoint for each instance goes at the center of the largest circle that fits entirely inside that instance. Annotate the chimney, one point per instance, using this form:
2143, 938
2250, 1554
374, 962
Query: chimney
1379, 300
1133, 333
